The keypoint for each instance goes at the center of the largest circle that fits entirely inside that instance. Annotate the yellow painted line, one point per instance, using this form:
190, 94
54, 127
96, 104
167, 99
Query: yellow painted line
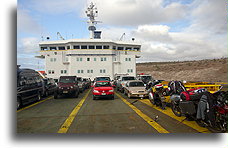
66, 125
35, 104
169, 112
150, 121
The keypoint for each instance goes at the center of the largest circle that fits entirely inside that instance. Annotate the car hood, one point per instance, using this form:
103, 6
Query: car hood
65, 84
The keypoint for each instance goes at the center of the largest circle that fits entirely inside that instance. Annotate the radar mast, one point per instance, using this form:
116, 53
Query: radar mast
91, 13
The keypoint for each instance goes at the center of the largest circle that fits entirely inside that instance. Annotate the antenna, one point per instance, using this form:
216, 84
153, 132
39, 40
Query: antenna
91, 13
121, 38
58, 34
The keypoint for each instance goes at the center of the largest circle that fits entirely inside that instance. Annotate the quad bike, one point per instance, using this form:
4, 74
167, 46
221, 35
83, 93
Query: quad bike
157, 95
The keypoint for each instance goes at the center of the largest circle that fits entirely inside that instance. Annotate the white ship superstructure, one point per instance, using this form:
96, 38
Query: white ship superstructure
89, 57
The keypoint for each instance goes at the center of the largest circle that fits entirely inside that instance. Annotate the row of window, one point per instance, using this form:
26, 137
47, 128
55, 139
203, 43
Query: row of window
89, 59
82, 71
91, 47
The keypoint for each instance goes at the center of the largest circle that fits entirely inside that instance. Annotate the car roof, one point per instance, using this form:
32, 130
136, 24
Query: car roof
135, 81
127, 76
102, 77
102, 81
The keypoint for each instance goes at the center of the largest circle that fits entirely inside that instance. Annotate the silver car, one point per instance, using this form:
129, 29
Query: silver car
135, 88
122, 82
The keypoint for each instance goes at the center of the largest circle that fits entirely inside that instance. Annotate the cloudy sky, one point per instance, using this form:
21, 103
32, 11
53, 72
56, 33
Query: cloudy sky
169, 30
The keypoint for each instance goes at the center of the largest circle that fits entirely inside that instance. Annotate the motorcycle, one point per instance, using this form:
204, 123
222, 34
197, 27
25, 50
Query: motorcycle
157, 94
221, 109
207, 109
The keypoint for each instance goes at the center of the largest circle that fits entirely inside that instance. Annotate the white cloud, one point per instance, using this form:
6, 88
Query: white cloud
26, 23
138, 12
29, 45
56, 6
152, 33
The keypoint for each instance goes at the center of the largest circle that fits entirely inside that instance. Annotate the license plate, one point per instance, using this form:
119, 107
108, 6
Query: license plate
65, 92
103, 93
140, 95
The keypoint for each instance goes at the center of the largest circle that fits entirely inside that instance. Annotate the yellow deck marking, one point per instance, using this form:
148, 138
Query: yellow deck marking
150, 121
35, 104
170, 113
66, 125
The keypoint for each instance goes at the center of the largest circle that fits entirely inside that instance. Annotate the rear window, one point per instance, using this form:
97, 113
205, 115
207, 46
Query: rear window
102, 84
103, 79
67, 80
79, 79
136, 84
146, 77
128, 78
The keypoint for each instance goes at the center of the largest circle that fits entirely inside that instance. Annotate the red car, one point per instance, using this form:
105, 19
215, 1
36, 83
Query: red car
103, 89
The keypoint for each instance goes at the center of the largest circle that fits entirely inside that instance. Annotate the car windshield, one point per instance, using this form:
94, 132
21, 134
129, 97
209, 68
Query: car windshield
146, 77
79, 79
136, 84
103, 79
102, 84
67, 80
128, 78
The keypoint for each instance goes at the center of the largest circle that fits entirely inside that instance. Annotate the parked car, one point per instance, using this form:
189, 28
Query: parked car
102, 78
135, 88
145, 78
87, 82
81, 84
103, 89
50, 86
29, 86
122, 82
67, 85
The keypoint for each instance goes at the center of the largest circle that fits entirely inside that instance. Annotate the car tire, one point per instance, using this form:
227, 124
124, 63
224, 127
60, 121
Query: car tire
38, 96
129, 96
19, 104
55, 95
46, 93
76, 96
94, 98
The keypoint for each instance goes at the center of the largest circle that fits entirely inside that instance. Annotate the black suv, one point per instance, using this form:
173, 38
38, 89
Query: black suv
50, 86
67, 85
29, 86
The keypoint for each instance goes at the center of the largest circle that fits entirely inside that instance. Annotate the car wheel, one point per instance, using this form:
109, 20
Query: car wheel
19, 104
38, 96
94, 98
76, 96
55, 95
46, 93
129, 95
